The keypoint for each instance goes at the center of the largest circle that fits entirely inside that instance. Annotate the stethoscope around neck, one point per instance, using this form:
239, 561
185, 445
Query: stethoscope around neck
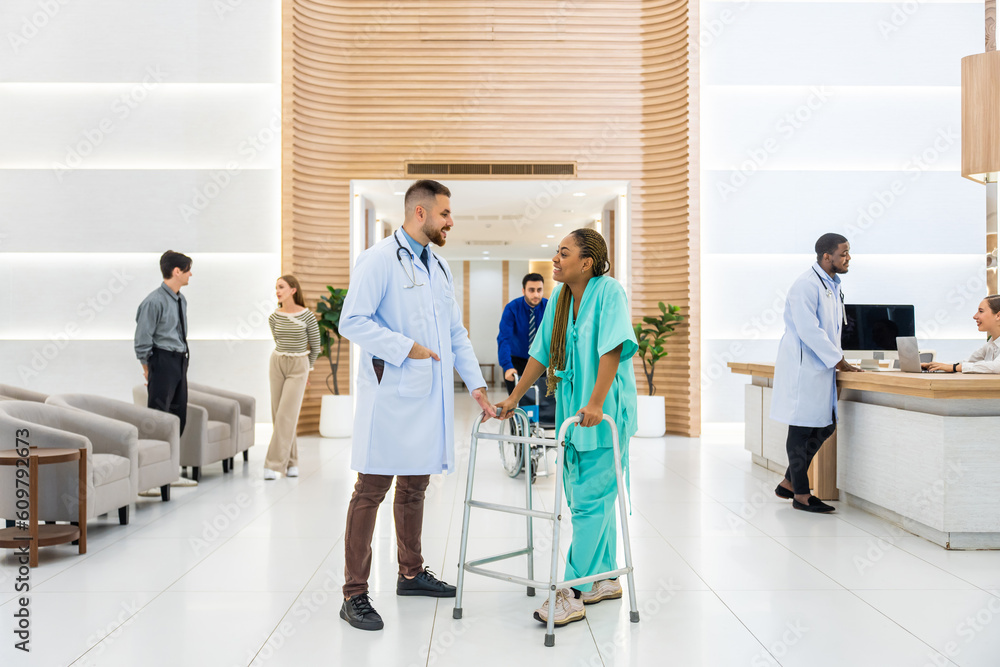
829, 293
412, 275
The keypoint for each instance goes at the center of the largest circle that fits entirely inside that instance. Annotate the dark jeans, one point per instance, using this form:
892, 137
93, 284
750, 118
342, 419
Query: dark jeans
408, 513
519, 364
167, 384
802, 444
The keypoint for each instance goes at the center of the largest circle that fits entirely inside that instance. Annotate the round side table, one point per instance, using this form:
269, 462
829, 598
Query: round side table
47, 534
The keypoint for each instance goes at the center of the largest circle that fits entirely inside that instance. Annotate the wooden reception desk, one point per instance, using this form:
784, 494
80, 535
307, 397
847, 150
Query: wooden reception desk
919, 449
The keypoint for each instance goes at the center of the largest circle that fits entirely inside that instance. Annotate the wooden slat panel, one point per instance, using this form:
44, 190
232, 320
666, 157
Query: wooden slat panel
370, 85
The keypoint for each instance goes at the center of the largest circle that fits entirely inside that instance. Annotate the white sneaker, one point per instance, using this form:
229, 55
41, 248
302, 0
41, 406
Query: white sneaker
568, 608
270, 474
293, 471
605, 589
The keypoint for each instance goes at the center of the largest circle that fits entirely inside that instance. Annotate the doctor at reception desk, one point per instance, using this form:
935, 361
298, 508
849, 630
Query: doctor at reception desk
809, 356
919, 449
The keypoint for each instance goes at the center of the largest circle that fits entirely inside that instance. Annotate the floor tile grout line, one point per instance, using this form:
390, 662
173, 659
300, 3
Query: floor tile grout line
597, 646
296, 599
899, 625
124, 534
114, 630
893, 544
745, 626
918, 557
852, 592
181, 576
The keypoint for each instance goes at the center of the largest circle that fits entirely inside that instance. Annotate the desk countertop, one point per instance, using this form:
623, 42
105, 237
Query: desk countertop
927, 385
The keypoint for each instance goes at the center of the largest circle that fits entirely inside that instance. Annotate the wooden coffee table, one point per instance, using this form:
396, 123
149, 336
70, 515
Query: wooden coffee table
46, 534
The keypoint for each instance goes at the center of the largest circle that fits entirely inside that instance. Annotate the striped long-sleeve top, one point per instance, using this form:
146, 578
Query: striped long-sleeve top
295, 335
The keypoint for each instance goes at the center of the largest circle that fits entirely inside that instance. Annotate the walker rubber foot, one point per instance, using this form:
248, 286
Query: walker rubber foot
456, 612
550, 640
531, 592
633, 616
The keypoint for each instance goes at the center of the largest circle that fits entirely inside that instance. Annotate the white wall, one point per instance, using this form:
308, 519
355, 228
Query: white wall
485, 308
130, 128
842, 117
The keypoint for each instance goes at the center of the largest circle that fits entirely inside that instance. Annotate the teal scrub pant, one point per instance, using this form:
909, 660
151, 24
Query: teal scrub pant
591, 488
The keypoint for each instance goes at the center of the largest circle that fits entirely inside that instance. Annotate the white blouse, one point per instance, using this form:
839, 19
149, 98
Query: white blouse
984, 360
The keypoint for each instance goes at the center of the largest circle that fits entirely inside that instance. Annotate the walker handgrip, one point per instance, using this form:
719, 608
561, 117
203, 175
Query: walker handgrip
576, 419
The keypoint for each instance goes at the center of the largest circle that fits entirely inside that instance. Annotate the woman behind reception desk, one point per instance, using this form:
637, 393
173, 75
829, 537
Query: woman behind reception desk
987, 358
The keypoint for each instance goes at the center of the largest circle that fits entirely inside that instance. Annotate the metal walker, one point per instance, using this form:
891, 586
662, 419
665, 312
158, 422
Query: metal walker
552, 584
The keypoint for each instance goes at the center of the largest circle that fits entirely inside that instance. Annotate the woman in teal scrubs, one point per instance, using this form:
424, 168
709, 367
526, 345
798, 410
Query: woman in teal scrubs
587, 344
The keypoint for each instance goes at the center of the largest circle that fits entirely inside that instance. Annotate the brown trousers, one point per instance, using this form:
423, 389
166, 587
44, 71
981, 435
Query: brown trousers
408, 513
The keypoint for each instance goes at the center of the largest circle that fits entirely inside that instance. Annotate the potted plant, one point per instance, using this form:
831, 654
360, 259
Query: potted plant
336, 417
651, 334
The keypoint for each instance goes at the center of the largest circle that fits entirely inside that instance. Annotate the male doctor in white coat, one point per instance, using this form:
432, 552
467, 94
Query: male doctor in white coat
805, 375
401, 310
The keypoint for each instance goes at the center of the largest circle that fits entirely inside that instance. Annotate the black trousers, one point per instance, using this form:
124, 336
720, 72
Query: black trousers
519, 364
167, 385
802, 444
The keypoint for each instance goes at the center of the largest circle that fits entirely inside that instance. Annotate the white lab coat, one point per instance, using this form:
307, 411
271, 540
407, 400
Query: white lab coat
405, 424
805, 379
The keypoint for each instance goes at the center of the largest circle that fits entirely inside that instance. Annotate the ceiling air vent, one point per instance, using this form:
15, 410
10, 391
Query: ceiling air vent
501, 169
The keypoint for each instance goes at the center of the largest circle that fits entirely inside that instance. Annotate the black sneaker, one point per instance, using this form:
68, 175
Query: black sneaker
425, 584
359, 612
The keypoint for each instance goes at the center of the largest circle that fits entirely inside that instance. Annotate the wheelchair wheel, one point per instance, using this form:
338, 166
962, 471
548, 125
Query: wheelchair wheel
511, 453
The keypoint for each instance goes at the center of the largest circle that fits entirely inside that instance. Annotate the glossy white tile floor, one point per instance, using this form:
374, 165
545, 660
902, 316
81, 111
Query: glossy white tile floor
244, 572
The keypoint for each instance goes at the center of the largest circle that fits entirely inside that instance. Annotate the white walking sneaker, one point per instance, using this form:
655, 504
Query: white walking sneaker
605, 589
293, 471
568, 608
270, 474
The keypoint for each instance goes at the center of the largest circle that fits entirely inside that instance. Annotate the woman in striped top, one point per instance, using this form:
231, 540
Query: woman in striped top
296, 346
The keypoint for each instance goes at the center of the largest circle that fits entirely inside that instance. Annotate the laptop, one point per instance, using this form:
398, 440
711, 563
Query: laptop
909, 355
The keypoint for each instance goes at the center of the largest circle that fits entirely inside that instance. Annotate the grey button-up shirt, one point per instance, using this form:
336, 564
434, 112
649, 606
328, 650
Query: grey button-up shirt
157, 323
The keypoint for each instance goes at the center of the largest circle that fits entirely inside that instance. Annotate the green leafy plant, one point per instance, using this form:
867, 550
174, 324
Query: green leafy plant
328, 314
652, 333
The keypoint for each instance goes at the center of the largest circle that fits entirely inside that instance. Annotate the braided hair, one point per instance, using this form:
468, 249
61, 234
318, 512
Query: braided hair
592, 246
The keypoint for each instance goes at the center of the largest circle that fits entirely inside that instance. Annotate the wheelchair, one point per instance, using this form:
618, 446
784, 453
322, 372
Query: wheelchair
518, 458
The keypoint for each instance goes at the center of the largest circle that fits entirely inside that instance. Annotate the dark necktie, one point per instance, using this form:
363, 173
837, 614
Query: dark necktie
180, 318
425, 259
531, 326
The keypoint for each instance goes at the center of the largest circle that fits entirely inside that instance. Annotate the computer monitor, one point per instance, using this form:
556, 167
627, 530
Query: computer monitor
872, 327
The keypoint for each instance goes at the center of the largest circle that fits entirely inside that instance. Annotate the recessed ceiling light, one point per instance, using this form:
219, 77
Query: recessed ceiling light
579, 194
550, 236
545, 245
486, 252
399, 194
558, 224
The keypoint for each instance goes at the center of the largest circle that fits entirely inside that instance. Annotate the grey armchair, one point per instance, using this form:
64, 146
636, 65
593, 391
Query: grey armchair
112, 460
159, 436
207, 436
8, 392
247, 420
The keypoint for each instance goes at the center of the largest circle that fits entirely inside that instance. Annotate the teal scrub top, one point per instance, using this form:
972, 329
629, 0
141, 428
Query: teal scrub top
602, 324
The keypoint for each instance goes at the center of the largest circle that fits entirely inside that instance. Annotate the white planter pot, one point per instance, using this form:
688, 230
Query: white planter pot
336, 417
651, 416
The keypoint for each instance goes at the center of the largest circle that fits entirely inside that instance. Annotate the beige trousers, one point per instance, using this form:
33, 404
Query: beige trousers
288, 386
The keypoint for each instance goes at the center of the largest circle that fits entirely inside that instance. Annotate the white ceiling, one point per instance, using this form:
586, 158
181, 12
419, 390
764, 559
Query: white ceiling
508, 219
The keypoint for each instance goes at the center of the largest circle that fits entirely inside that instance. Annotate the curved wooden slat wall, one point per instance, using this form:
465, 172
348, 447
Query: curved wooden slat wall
370, 85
